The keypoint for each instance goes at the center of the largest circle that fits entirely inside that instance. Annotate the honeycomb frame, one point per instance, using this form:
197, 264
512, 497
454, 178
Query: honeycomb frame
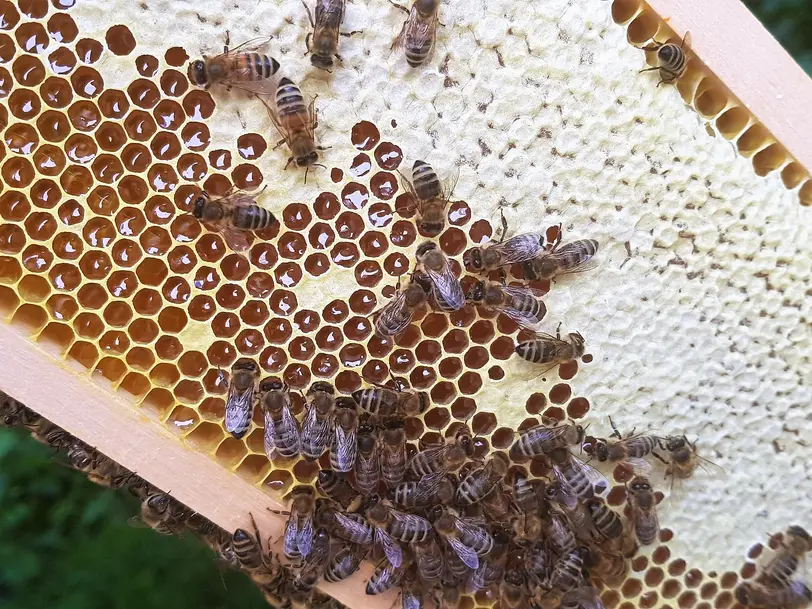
80, 420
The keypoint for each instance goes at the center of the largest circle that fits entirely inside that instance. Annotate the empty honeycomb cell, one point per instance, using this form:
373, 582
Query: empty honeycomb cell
120, 40
792, 175
91, 296
95, 265
176, 290
279, 481
140, 358
107, 168
8, 301
31, 37
198, 105
206, 436
21, 138
18, 172
755, 138
114, 342
49, 161
86, 82
168, 348
28, 70
172, 320
139, 125
84, 115
732, 122
182, 419
14, 206
10, 270
711, 98
126, 253
88, 325
157, 403
189, 392
57, 335
81, 148
182, 259
31, 317
37, 259
769, 159
12, 239
143, 331
152, 271
173, 83
805, 193
25, 105
89, 50
111, 368
62, 307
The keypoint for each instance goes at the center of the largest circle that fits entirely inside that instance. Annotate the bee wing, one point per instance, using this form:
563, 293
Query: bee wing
447, 286
270, 432
466, 554
411, 521
344, 445
291, 544
400, 40
525, 319
448, 183
289, 422
520, 248
391, 548
280, 127
249, 46
640, 467
391, 318
238, 409
563, 254
595, 477
567, 494
304, 539
709, 466
422, 32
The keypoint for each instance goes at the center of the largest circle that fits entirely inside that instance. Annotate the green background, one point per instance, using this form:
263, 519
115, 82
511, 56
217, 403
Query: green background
66, 543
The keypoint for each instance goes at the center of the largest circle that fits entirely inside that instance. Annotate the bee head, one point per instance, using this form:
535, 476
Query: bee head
800, 532
600, 450
306, 160
322, 62
640, 484
159, 503
199, 206
321, 386
197, 73
477, 292
271, 384
246, 364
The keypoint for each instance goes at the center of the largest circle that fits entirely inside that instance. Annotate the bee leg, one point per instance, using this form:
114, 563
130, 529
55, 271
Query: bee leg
221, 376
672, 76
615, 432
656, 456
309, 14
503, 221
353, 33
278, 144
558, 331
307, 44
403, 8
228, 41
649, 69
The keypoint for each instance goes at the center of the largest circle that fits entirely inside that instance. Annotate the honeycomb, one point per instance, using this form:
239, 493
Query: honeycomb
696, 313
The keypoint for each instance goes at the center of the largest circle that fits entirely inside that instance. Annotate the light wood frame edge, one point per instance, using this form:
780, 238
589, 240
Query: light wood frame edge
744, 56
86, 408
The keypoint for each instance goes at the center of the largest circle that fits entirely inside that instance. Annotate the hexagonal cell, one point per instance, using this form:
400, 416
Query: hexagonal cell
135, 384
157, 403
57, 337
230, 452
182, 419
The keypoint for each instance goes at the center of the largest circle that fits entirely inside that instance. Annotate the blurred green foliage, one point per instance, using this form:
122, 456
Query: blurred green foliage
65, 543
790, 21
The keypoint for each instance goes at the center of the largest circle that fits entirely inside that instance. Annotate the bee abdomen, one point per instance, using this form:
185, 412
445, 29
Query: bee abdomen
417, 55
424, 179
535, 351
253, 217
642, 446
289, 99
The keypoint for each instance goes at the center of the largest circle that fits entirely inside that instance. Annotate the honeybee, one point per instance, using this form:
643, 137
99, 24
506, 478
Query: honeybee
322, 43
562, 495
314, 566
497, 506
419, 32
605, 519
490, 571
298, 539
683, 459
431, 197
163, 513
528, 525
411, 590
344, 446
388, 402
393, 453
429, 560
231, 216
540, 439
336, 487
585, 597
671, 59
397, 314
391, 525
796, 595
480, 482
296, 123
629, 450
559, 534
99, 469
318, 420
437, 461
240, 400
576, 474
418, 494
446, 595
248, 552
345, 562
640, 497
519, 303
573, 257
513, 587
386, 576
367, 460
568, 571
611, 567
241, 67
538, 563
351, 527
445, 286
520, 248
281, 427
547, 349
795, 543
467, 537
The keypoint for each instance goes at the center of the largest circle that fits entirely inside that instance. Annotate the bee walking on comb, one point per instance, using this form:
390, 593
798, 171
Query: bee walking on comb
671, 59
242, 67
231, 216
322, 42
419, 33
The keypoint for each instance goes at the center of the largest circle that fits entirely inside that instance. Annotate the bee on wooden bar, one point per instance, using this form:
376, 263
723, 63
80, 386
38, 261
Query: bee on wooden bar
298, 538
480, 482
163, 513
387, 402
367, 460
446, 287
281, 427
344, 446
640, 497
322, 43
296, 123
671, 59
240, 399
467, 537
397, 314
99, 469
540, 439
317, 425
336, 487
552, 350
419, 33
241, 67
386, 576
392, 525
313, 567
797, 595
345, 562
520, 303
264, 570
520, 248
393, 453
231, 215
574, 257
795, 544
431, 197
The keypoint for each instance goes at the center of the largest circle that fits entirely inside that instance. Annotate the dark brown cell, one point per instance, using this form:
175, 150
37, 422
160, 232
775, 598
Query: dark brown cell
110, 136
292, 245
375, 371
653, 577
168, 114
459, 213
196, 136
9, 17
329, 338
428, 352
25, 105
107, 168
374, 244
283, 302
352, 355
21, 138
221, 354
14, 206
81, 148
450, 367
122, 284
162, 177
365, 135
76, 180
336, 175
384, 185
476, 357
345, 254
165, 145
144, 93
152, 271
422, 377
327, 206
388, 156
49, 160
173, 83
198, 105
288, 274
56, 92
36, 259
62, 61
219, 159
31, 37
84, 116
649, 599
40, 226
273, 359
401, 361
729, 579
301, 348
297, 376
259, 285
453, 241
380, 215
89, 50
361, 165
560, 393
28, 70
470, 383
354, 195
62, 28
368, 273
18, 172
120, 40
192, 167
147, 65
403, 234
86, 82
